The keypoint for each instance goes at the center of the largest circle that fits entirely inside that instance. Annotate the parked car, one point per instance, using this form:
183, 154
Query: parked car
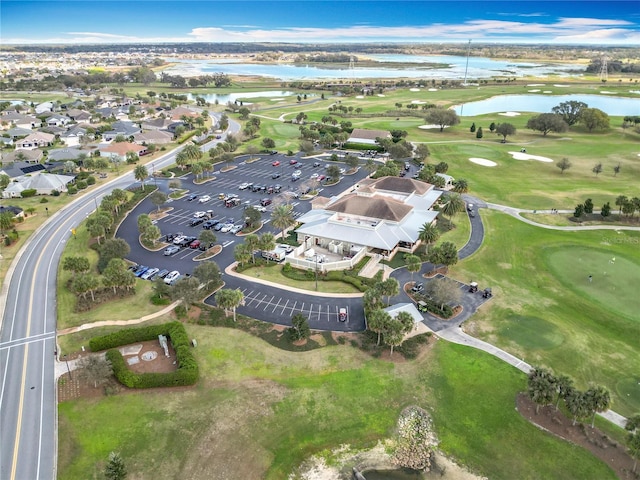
186, 241
417, 287
275, 175
161, 274
265, 201
407, 166
342, 314
140, 271
226, 227
260, 208
316, 164
236, 229
277, 188
243, 186
194, 244
209, 224
273, 152
199, 214
171, 249
218, 226
321, 177
177, 240
314, 175
293, 161
196, 221
172, 277
205, 246
191, 198
204, 199
149, 273
276, 163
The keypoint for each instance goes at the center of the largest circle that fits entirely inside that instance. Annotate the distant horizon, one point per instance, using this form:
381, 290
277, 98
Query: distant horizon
497, 22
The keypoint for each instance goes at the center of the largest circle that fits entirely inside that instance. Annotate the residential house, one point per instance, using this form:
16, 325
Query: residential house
43, 183
15, 133
19, 169
58, 120
159, 123
410, 308
15, 211
361, 135
65, 154
119, 150
178, 112
73, 135
18, 120
26, 156
384, 216
44, 107
79, 115
36, 140
126, 129
155, 137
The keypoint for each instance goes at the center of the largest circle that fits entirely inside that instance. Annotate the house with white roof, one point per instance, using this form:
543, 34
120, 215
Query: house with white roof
36, 140
43, 183
361, 135
383, 216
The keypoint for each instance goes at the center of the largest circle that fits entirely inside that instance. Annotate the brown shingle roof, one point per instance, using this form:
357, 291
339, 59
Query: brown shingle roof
401, 185
369, 134
384, 208
122, 148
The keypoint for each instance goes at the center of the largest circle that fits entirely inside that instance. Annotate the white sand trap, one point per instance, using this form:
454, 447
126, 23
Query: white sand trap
277, 99
359, 96
634, 91
547, 91
526, 156
431, 127
606, 92
509, 114
535, 85
534, 91
483, 161
565, 138
433, 89
381, 95
414, 89
417, 102
560, 85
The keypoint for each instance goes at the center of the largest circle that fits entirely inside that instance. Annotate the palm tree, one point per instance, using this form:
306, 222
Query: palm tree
564, 385
229, 299
454, 204
413, 264
541, 386
253, 242
429, 233
242, 253
282, 218
197, 170
390, 288
267, 242
140, 173
377, 322
461, 186
599, 400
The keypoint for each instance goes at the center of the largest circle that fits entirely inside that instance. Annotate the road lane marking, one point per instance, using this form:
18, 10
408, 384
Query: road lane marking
23, 341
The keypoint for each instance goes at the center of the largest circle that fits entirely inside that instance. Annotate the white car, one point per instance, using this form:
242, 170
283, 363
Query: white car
172, 277
297, 173
235, 229
260, 208
204, 199
199, 214
243, 186
315, 175
226, 228
178, 239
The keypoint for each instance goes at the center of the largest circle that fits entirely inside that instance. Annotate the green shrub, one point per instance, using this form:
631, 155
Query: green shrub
55, 193
44, 200
91, 180
81, 184
28, 192
71, 190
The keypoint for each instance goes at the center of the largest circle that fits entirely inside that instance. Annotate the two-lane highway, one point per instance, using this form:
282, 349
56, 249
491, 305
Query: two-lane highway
28, 409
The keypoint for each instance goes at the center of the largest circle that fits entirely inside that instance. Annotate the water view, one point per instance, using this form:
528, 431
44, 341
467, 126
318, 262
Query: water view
616, 106
232, 97
479, 67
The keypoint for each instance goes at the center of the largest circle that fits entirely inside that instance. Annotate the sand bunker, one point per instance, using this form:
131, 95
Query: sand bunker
606, 92
433, 89
534, 91
430, 127
359, 96
483, 161
526, 156
509, 114
535, 85
381, 95
547, 91
414, 89
417, 102
560, 85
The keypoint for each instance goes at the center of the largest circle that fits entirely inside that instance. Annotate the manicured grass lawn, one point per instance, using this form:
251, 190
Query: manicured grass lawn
282, 406
274, 274
545, 311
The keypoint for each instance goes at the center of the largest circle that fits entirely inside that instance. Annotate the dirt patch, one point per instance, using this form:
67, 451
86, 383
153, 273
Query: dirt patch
594, 440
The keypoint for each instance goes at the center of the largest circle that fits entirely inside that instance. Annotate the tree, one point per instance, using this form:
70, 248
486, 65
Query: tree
429, 233
207, 272
633, 438
579, 211
473, 127
117, 275
252, 216
192, 153
479, 133
94, 368
389, 288
115, 469
307, 147
244, 113
444, 291
242, 254
454, 203
577, 405
207, 237
229, 300
505, 129
253, 243
333, 172
445, 254
98, 224
443, 117
594, 119
4, 180
352, 162
606, 210
282, 218
599, 400
422, 152
131, 158
492, 127
267, 242
570, 111
158, 198
414, 263
460, 186
441, 167
112, 248
620, 201
564, 385
196, 169
597, 169
76, 264
548, 122
140, 173
397, 328
616, 170
564, 164
541, 386
6, 221
377, 322
252, 150
84, 283
300, 327
186, 289
268, 143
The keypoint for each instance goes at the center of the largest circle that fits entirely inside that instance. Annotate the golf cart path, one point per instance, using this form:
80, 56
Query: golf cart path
515, 212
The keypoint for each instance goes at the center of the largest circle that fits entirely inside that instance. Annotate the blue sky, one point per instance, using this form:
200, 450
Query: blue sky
312, 21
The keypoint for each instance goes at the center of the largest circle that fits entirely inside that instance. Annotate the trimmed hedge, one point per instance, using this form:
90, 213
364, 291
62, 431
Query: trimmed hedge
186, 374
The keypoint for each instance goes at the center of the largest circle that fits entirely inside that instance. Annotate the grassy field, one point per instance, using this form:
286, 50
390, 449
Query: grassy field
274, 274
283, 406
545, 310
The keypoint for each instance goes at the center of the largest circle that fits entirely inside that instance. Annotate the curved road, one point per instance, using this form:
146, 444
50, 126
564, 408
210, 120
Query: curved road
28, 409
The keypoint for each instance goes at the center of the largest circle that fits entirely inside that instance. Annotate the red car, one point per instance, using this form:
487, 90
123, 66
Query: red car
195, 244
276, 163
293, 161
321, 178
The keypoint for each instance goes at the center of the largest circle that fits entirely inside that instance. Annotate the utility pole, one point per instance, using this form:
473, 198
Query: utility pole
466, 68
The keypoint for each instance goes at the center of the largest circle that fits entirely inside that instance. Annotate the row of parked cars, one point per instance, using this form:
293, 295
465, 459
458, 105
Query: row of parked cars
152, 273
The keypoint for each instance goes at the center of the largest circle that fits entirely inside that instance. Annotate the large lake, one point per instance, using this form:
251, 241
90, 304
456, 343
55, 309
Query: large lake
478, 67
224, 98
616, 106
